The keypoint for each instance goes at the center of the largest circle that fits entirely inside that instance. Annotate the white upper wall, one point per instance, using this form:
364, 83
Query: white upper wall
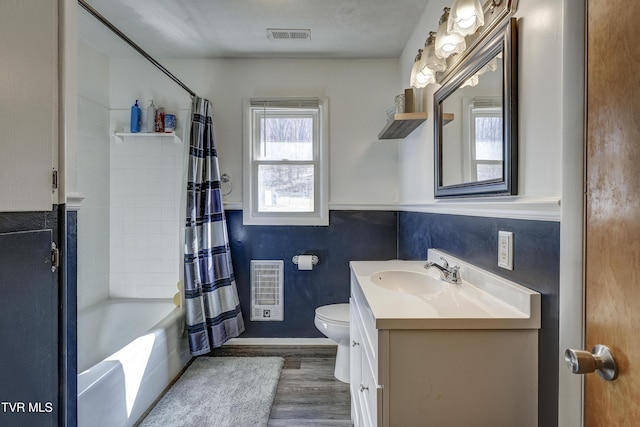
363, 170
540, 126
366, 172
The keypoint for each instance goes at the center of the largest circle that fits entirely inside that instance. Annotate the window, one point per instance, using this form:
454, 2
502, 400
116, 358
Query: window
285, 167
486, 129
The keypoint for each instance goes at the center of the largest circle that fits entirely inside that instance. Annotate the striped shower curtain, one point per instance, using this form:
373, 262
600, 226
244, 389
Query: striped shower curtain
211, 297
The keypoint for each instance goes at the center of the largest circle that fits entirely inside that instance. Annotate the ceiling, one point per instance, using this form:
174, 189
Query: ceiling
238, 28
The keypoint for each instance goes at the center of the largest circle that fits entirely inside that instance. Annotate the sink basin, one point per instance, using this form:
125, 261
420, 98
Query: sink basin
408, 282
401, 294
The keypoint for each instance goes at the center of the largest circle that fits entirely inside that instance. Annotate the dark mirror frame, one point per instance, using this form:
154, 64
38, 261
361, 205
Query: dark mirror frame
505, 40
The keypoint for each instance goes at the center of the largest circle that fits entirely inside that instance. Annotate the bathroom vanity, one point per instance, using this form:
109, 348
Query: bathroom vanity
430, 353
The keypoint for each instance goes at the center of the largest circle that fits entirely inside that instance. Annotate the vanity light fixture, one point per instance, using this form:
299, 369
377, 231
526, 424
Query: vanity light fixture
420, 74
426, 77
448, 43
494, 4
489, 66
414, 70
466, 17
475, 79
463, 19
433, 61
471, 81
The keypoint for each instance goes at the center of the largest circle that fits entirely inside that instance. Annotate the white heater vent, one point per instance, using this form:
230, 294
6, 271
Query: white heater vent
267, 282
288, 34
487, 102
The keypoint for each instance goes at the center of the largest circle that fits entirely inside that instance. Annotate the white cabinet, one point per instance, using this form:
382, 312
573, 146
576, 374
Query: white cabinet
407, 373
366, 393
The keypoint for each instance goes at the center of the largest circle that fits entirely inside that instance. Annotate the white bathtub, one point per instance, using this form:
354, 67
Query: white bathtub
129, 350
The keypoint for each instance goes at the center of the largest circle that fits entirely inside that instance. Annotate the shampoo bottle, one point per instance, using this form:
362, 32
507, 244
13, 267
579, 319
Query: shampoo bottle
151, 117
135, 118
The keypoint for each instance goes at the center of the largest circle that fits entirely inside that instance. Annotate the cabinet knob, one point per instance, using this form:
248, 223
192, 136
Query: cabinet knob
363, 388
354, 343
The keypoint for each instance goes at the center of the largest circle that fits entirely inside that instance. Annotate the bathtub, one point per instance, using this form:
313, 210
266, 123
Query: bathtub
129, 350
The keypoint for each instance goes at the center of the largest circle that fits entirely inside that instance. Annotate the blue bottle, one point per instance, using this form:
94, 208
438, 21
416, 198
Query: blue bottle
136, 116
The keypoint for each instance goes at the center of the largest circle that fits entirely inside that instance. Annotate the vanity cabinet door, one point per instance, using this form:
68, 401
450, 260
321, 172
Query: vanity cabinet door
366, 395
355, 368
363, 383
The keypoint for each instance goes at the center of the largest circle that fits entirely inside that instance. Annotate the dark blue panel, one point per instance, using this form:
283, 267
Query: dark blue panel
64, 299
536, 263
29, 336
351, 235
28, 221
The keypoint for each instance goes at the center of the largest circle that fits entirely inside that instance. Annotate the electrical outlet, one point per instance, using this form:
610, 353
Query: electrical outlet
505, 249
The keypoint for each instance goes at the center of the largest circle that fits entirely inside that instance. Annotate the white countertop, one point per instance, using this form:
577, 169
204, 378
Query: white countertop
482, 301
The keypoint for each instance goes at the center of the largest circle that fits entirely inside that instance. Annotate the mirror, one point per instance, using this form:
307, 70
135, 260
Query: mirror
476, 121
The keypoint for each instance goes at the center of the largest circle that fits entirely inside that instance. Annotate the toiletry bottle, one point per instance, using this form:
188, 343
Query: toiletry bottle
160, 119
151, 117
136, 116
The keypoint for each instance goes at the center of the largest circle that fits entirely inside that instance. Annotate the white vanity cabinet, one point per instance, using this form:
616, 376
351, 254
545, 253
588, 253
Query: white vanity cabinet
440, 371
366, 394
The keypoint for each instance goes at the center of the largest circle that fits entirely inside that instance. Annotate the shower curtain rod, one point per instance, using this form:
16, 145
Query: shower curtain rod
131, 43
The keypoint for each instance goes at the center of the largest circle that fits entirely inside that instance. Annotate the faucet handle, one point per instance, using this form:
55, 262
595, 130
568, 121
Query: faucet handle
445, 263
455, 274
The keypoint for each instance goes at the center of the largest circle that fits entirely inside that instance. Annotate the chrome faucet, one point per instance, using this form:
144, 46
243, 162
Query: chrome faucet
448, 274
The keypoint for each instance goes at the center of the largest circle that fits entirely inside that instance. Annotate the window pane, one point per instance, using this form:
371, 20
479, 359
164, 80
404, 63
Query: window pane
289, 138
489, 171
285, 188
488, 138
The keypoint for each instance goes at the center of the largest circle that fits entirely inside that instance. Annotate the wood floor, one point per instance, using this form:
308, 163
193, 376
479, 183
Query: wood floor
308, 394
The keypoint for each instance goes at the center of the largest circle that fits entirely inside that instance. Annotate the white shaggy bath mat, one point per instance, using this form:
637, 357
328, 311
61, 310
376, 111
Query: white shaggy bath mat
220, 392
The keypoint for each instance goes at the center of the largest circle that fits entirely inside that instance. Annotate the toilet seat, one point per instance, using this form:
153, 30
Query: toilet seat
337, 314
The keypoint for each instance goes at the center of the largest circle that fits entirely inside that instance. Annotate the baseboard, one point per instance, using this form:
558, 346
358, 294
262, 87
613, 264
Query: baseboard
280, 341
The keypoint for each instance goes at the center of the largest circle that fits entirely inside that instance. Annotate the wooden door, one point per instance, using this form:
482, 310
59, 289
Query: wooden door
613, 208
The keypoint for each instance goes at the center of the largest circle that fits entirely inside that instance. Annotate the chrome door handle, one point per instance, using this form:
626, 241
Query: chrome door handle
600, 360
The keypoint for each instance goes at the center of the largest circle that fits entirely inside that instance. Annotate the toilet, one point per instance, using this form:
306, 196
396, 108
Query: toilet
333, 321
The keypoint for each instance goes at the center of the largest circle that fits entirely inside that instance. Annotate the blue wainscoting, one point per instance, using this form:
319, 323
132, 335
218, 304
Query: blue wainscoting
536, 265
382, 235
351, 235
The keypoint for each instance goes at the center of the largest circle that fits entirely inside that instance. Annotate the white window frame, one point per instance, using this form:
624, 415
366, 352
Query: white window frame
251, 146
469, 112
475, 113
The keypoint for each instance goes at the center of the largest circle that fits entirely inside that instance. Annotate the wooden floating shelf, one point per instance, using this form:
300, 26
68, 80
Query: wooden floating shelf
120, 136
402, 125
447, 118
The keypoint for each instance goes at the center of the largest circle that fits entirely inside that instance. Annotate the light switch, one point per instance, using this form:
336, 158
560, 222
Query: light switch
505, 249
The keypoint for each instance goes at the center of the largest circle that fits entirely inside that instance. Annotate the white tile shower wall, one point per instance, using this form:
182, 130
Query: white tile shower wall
146, 192
93, 217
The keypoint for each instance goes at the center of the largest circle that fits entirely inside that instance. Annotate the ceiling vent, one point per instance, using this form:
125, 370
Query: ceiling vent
288, 34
